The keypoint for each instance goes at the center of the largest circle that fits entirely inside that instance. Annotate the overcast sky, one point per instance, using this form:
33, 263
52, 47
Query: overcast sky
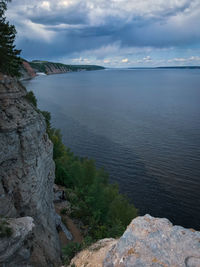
112, 33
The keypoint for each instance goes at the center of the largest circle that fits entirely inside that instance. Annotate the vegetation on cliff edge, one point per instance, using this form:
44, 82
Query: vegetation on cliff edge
100, 206
97, 203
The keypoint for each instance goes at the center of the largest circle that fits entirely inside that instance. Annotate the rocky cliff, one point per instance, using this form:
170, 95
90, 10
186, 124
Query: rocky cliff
28, 235
147, 242
26, 178
55, 68
29, 70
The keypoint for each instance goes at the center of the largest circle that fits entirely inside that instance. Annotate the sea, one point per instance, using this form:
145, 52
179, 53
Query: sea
141, 125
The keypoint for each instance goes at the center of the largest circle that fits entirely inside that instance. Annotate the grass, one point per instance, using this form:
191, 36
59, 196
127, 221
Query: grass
5, 230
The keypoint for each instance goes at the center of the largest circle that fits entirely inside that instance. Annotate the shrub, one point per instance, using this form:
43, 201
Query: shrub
5, 230
70, 250
31, 98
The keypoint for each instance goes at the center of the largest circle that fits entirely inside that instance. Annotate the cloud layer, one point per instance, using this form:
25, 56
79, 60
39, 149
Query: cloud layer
111, 33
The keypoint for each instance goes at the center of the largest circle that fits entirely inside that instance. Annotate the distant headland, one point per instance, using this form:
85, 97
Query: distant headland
30, 69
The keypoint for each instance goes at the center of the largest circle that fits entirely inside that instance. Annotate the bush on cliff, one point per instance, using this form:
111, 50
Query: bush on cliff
31, 98
104, 211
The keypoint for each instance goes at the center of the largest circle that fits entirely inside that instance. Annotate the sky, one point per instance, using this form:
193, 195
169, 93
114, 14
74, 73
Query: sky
112, 33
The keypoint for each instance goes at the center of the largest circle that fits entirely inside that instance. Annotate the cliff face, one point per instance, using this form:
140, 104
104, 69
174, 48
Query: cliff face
30, 69
55, 69
27, 171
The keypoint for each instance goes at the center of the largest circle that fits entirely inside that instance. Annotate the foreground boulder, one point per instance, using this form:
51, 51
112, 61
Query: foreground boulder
148, 241
152, 241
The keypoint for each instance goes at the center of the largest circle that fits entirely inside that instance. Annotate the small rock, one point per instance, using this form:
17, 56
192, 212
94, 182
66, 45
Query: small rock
60, 226
59, 193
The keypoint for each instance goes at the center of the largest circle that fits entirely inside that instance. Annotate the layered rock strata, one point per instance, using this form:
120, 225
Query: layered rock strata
27, 170
54, 69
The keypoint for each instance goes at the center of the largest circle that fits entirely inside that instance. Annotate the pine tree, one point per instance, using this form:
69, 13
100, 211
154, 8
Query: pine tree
9, 56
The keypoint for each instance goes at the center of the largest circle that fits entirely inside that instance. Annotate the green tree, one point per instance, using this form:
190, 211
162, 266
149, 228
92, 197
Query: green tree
9, 56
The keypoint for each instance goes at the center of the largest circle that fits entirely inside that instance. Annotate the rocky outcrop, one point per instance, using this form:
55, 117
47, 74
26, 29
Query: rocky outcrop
148, 241
152, 241
59, 194
61, 227
15, 250
27, 170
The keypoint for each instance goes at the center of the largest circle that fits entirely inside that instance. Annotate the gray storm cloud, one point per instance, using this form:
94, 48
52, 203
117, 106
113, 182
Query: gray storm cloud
62, 28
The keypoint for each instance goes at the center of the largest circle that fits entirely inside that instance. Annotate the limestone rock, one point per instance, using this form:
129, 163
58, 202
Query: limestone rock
155, 242
95, 254
60, 226
59, 193
15, 250
27, 170
147, 242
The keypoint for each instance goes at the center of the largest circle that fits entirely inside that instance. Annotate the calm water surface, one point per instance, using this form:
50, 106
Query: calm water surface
143, 126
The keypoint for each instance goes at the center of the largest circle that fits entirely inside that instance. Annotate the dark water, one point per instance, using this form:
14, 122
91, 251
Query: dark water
143, 126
